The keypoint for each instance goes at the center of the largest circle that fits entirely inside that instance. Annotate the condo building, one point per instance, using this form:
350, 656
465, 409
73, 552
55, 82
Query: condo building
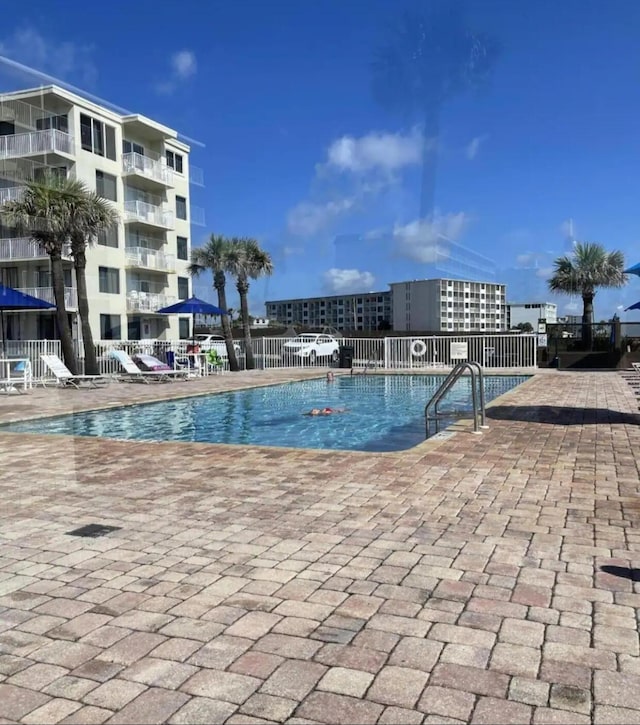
143, 169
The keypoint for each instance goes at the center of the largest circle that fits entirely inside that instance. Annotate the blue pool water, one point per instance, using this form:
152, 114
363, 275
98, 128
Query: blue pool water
385, 413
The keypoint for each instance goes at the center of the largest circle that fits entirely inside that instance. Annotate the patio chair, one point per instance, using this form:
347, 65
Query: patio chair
66, 378
150, 363
14, 374
133, 373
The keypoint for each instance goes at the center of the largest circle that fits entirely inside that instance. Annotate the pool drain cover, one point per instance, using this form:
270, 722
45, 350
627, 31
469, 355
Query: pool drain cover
93, 530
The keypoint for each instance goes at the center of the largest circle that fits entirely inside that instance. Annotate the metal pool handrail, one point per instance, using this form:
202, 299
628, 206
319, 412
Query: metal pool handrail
477, 397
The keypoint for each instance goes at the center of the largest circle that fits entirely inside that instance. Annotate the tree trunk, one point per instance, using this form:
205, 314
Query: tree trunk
219, 284
431, 139
64, 330
90, 359
587, 321
243, 291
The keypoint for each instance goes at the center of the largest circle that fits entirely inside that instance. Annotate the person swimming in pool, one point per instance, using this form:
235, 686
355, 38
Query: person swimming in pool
326, 411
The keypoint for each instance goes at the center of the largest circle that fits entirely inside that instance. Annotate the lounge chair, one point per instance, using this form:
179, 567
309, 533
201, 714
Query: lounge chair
162, 374
65, 377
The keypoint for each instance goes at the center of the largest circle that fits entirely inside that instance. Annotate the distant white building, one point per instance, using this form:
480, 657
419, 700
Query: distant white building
449, 305
531, 312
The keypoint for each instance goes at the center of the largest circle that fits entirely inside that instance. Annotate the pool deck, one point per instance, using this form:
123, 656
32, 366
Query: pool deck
459, 581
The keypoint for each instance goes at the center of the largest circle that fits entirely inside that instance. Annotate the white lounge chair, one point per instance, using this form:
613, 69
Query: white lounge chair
133, 372
65, 377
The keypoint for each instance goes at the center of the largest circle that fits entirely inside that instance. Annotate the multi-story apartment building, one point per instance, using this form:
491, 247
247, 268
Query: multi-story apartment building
451, 305
531, 312
141, 167
363, 311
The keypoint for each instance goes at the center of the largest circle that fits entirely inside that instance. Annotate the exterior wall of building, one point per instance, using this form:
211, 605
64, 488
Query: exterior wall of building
142, 271
449, 305
364, 311
521, 312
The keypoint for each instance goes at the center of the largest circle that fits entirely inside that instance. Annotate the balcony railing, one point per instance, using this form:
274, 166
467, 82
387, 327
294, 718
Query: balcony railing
147, 301
196, 177
35, 142
148, 214
11, 193
23, 248
150, 259
46, 294
154, 169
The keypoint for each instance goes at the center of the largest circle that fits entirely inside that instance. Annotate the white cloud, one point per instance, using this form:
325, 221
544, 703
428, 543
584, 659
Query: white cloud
473, 147
346, 281
67, 60
376, 151
309, 218
424, 240
183, 65
525, 260
288, 251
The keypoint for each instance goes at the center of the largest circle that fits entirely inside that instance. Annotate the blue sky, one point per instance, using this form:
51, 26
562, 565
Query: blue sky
297, 151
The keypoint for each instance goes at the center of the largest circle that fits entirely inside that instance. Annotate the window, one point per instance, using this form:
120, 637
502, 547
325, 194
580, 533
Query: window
108, 237
106, 186
131, 147
60, 123
97, 137
181, 207
109, 280
7, 128
183, 248
183, 288
110, 327
183, 323
174, 161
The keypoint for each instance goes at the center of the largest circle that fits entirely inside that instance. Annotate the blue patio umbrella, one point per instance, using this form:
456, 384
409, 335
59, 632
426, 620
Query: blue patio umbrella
193, 306
13, 299
633, 270
633, 307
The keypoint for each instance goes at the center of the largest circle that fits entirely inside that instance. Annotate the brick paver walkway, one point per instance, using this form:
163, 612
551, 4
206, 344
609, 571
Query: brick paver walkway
473, 579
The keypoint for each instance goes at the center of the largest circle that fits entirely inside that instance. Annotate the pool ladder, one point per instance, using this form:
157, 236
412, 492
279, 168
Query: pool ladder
432, 412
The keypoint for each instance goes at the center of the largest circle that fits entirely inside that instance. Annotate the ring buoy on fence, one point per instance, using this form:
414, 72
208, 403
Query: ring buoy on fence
418, 348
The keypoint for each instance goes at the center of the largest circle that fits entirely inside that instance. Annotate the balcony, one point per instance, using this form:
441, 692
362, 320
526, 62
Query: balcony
46, 294
23, 249
145, 258
11, 193
36, 142
154, 216
149, 171
147, 302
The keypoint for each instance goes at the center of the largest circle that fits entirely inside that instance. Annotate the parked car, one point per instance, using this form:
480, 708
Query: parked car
309, 347
217, 343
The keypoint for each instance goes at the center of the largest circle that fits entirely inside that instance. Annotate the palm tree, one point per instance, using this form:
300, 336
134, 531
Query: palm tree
89, 214
247, 260
430, 59
214, 256
589, 267
43, 214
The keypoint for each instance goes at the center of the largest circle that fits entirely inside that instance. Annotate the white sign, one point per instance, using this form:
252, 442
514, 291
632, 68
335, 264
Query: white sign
543, 341
459, 350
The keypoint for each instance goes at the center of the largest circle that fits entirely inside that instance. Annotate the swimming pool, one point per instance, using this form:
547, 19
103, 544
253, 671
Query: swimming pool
385, 413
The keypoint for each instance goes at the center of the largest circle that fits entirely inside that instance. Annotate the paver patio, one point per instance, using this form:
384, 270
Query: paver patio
460, 581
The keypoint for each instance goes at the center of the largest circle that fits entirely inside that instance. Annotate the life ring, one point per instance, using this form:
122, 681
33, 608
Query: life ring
418, 348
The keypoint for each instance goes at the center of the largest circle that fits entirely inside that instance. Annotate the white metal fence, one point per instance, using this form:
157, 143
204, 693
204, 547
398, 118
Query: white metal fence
388, 353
